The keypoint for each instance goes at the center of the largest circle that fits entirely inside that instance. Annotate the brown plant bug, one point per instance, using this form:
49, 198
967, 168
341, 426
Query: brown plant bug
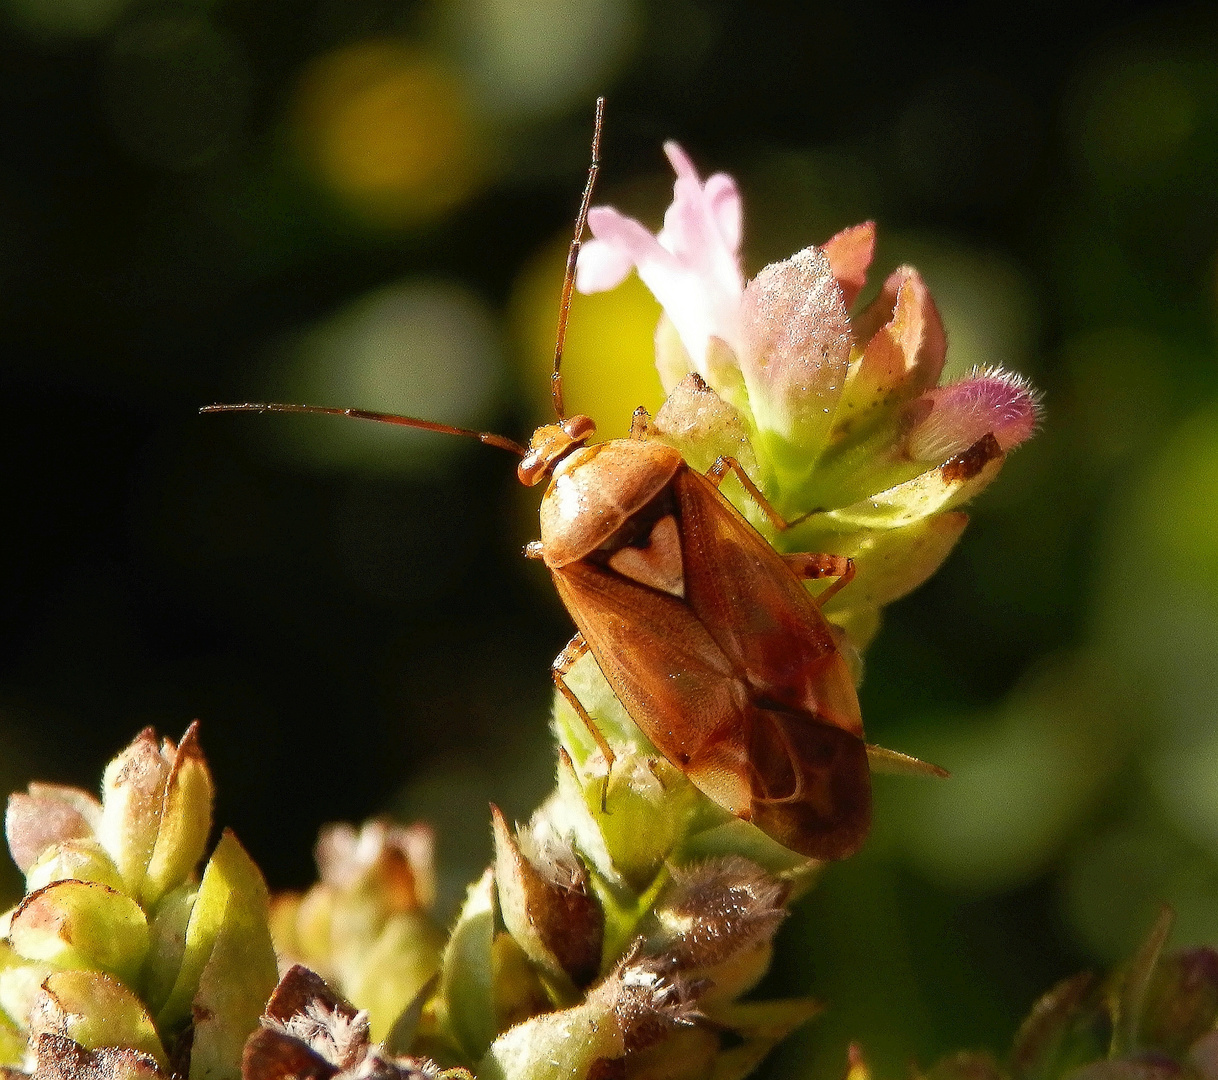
703, 630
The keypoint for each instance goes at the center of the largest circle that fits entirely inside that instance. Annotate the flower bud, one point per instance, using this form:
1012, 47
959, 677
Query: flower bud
796, 352
167, 934
466, 1006
94, 1010
950, 419
80, 860
185, 818
228, 965
310, 1033
703, 426
80, 924
1066, 1026
156, 812
45, 815
902, 350
635, 1007
850, 253
1182, 1001
716, 921
365, 924
133, 791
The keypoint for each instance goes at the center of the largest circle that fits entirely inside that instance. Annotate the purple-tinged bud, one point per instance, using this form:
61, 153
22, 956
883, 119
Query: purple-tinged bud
946, 421
796, 346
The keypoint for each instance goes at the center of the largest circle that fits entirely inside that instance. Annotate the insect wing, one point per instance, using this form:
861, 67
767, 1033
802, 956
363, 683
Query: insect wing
803, 780
665, 668
810, 783
759, 612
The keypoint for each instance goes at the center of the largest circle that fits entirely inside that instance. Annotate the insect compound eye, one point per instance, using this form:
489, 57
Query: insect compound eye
532, 468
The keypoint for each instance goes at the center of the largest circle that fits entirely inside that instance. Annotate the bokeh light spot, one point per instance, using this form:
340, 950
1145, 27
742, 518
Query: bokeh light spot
421, 348
609, 361
531, 57
387, 129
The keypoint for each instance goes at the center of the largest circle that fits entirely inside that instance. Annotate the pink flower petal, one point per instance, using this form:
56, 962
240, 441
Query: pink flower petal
950, 419
602, 266
694, 233
797, 342
691, 266
726, 207
850, 253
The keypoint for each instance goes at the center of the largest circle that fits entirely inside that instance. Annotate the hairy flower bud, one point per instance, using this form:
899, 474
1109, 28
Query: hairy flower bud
716, 921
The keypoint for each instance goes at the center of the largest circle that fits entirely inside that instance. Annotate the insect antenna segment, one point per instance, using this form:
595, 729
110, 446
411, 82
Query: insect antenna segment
487, 437
568, 281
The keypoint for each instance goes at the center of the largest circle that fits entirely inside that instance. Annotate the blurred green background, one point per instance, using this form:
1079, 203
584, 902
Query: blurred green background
366, 202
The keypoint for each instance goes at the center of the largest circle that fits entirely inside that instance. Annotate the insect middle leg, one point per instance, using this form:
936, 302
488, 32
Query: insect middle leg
563, 663
724, 465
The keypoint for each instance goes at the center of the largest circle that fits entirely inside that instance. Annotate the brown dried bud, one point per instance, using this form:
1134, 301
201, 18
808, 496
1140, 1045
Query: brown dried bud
647, 999
309, 1033
546, 904
59, 1058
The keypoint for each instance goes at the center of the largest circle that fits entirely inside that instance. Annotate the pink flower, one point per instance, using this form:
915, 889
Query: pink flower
783, 348
692, 266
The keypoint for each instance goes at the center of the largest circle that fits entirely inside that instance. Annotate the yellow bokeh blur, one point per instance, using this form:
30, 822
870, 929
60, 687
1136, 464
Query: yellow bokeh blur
611, 332
387, 128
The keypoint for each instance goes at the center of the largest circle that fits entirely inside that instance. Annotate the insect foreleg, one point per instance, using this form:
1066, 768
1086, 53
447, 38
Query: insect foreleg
723, 466
562, 665
809, 565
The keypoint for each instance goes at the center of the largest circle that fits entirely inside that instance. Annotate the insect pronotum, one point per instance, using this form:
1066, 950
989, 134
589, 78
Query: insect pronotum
703, 630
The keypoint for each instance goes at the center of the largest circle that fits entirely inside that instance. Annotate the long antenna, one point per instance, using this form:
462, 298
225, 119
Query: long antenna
490, 438
568, 281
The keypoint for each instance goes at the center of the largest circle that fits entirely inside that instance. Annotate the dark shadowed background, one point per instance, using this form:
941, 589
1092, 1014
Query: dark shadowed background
365, 202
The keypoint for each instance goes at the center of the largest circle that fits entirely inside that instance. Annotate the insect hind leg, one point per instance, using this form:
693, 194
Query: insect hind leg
563, 663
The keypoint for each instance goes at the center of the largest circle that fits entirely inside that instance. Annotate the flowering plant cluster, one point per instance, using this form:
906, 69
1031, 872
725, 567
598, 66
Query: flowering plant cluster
620, 930
838, 418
